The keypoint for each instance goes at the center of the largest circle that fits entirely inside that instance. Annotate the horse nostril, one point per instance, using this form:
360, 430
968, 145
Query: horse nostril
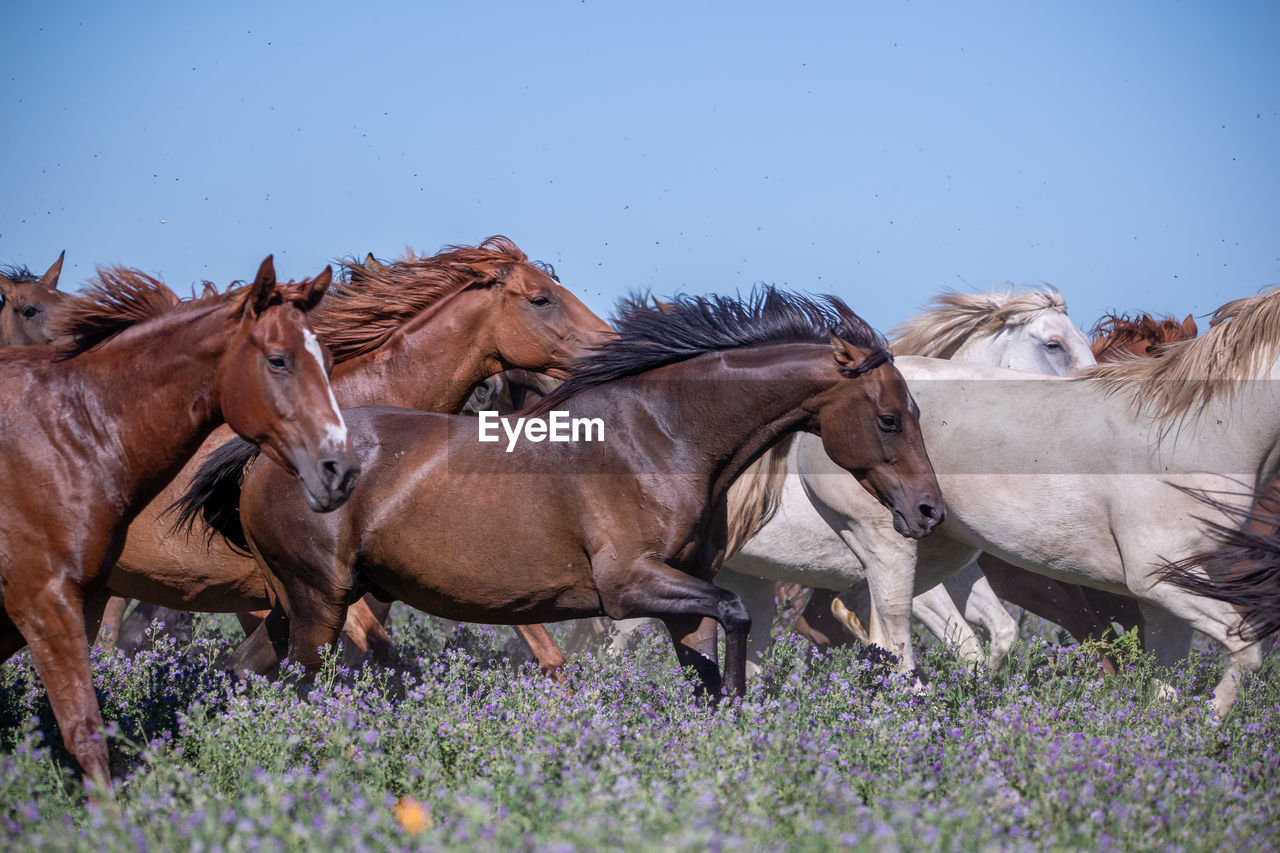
929, 511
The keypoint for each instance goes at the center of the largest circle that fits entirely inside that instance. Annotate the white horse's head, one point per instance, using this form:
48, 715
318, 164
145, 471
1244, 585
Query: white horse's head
1023, 330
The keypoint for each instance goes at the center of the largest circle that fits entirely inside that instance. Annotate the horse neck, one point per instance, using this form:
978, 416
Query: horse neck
431, 364
983, 349
171, 402
755, 396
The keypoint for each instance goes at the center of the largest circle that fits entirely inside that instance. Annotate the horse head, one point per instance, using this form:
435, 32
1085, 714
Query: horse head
274, 388
26, 303
535, 323
870, 426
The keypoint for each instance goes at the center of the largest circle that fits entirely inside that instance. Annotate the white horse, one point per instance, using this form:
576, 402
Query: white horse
1025, 330
1090, 480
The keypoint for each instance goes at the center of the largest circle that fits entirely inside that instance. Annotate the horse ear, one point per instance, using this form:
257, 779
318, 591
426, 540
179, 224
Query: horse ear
846, 355
372, 264
263, 289
1189, 327
51, 275
311, 292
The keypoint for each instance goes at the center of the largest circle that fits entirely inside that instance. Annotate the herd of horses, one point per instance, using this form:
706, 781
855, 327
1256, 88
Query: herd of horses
990, 451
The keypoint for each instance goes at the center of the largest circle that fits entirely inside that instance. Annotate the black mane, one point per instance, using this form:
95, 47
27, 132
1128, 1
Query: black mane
18, 274
651, 336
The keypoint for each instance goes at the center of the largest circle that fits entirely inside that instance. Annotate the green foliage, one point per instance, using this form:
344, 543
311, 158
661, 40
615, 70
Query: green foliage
827, 750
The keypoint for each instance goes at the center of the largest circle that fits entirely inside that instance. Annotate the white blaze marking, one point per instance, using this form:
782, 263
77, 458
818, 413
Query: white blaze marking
337, 435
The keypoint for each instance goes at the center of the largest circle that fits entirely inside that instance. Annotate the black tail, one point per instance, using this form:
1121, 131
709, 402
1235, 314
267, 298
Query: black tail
1244, 570
214, 493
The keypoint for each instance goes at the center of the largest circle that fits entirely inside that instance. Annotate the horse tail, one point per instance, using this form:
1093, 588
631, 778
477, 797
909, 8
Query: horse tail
214, 494
755, 496
1243, 570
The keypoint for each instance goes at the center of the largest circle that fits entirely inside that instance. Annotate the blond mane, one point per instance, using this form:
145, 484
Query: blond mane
1242, 342
755, 496
954, 317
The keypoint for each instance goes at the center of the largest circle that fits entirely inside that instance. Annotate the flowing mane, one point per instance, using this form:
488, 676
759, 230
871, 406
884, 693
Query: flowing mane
116, 299
1114, 331
954, 317
18, 274
650, 337
374, 300
1243, 341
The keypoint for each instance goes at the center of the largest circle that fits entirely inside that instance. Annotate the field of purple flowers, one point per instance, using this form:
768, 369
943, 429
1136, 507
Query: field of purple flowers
462, 749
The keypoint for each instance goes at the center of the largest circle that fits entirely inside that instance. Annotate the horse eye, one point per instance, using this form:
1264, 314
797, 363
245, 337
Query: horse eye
1053, 344
278, 363
30, 311
890, 423
540, 300
2, 300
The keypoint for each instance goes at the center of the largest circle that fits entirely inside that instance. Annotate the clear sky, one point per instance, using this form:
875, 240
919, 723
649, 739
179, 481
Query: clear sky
1126, 152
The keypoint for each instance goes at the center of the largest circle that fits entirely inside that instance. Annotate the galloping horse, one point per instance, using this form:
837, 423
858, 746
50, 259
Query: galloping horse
1242, 568
26, 303
420, 333
1103, 501
632, 525
1027, 330
93, 430
1086, 612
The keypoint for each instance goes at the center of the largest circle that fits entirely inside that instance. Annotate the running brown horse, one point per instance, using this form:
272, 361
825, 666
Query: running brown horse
94, 428
420, 333
27, 303
631, 523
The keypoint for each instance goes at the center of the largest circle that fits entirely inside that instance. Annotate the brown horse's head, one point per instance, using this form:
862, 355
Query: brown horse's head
274, 388
26, 303
533, 321
1120, 336
870, 427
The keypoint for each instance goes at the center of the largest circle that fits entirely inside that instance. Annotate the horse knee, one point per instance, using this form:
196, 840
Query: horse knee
733, 615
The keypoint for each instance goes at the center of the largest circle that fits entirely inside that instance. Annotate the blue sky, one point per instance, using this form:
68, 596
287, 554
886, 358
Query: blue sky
1127, 153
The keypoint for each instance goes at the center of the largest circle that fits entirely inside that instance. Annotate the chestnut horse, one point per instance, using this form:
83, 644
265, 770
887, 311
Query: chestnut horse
420, 333
630, 525
95, 428
26, 304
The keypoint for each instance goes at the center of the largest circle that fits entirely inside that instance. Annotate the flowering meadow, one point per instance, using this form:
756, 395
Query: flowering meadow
461, 748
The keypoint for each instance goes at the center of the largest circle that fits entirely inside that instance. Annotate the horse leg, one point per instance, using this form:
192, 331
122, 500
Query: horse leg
251, 620
51, 616
939, 613
112, 617
649, 587
984, 608
133, 631
363, 628
890, 563
266, 645
761, 603
1065, 604
543, 647
1170, 613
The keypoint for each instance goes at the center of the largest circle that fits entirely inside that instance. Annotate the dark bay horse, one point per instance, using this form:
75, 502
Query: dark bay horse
94, 428
27, 303
630, 525
420, 333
